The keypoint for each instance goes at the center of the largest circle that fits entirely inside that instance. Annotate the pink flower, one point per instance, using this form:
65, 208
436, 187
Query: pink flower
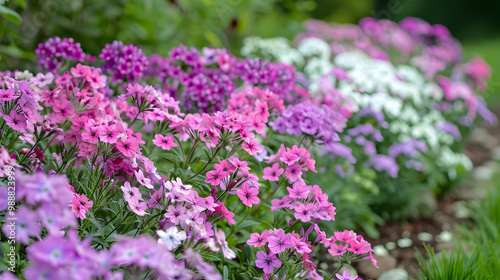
143, 180
81, 205
251, 146
221, 208
248, 195
272, 173
165, 142
15, 121
304, 212
257, 239
267, 261
345, 276
359, 246
280, 242
221, 239
293, 172
214, 177
174, 213
299, 191
345, 236
108, 133
128, 147
137, 206
130, 192
63, 110
337, 249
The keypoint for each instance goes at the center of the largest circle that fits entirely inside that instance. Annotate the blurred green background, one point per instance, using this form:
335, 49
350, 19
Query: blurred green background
159, 25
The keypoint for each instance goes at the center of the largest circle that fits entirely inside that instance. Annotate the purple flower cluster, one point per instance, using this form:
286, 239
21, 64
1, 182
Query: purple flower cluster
46, 204
411, 148
204, 80
321, 123
52, 53
450, 128
277, 77
126, 62
385, 163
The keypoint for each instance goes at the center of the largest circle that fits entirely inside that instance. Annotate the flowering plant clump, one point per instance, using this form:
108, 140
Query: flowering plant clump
118, 178
409, 100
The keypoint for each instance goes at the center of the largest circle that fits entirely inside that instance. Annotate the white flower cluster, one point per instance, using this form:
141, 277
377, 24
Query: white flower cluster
401, 92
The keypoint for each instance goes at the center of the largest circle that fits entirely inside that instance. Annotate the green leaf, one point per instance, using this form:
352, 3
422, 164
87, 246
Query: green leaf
248, 223
10, 15
21, 3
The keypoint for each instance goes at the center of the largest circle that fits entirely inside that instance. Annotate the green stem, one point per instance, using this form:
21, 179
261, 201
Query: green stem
258, 206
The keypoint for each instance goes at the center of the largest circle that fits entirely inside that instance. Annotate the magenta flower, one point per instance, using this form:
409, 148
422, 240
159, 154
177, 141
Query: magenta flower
81, 205
248, 195
267, 261
128, 147
108, 133
345, 276
165, 142
272, 173
15, 121
280, 242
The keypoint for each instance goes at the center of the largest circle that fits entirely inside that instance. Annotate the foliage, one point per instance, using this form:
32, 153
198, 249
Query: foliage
476, 254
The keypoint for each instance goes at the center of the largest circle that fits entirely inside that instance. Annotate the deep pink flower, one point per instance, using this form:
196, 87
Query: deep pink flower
272, 173
128, 147
267, 261
248, 195
280, 242
359, 246
165, 142
108, 133
251, 146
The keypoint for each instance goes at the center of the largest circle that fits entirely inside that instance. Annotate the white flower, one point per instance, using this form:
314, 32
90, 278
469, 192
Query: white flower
171, 238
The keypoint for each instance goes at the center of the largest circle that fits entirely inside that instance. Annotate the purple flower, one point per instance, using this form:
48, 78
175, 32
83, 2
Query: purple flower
346, 276
52, 53
410, 148
450, 128
126, 62
386, 163
25, 226
267, 261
